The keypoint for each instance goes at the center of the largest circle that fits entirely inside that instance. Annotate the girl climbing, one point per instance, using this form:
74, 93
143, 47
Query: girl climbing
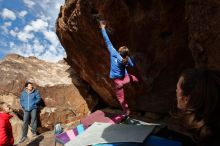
120, 60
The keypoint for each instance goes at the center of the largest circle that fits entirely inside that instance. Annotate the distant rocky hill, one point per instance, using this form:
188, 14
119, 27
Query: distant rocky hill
63, 101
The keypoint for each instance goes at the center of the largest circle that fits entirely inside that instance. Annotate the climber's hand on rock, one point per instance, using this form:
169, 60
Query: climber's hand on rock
102, 23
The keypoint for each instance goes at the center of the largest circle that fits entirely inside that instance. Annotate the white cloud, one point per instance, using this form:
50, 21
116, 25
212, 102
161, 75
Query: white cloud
13, 33
8, 14
29, 3
4, 27
39, 25
7, 24
51, 57
50, 10
22, 13
38, 47
51, 37
52, 49
35, 26
25, 36
28, 28
23, 49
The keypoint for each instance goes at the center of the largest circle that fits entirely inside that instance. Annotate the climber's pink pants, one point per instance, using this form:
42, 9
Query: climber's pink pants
119, 90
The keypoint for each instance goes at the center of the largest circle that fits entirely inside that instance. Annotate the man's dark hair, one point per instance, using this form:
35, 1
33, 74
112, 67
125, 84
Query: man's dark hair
28, 82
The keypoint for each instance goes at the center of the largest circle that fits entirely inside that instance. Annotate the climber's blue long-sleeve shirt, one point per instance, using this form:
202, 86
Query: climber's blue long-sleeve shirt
117, 69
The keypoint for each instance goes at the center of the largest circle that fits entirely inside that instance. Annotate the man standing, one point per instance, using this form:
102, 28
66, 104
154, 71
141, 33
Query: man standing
29, 100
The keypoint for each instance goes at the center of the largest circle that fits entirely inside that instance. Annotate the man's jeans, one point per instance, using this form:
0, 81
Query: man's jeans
26, 120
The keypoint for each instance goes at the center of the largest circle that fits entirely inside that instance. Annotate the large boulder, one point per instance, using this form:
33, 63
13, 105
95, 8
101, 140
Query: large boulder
62, 100
204, 28
156, 32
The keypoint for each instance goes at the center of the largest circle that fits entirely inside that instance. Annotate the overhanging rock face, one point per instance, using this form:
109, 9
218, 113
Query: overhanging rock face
156, 32
204, 28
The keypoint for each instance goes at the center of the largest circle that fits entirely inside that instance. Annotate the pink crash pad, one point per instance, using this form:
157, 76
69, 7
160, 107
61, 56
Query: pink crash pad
100, 116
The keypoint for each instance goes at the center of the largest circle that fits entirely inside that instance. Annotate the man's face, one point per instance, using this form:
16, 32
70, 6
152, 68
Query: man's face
29, 87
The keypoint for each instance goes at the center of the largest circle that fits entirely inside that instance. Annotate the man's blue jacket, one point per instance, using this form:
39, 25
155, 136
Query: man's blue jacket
30, 100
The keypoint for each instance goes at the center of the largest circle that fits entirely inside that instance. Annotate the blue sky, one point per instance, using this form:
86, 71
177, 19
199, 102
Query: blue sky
27, 27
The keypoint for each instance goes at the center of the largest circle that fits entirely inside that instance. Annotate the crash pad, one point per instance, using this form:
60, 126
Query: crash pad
99, 133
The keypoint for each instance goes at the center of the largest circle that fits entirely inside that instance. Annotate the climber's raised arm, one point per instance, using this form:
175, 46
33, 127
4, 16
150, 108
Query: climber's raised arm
110, 47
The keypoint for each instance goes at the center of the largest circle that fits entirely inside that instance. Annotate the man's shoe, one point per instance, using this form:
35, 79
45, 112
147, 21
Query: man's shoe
22, 139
